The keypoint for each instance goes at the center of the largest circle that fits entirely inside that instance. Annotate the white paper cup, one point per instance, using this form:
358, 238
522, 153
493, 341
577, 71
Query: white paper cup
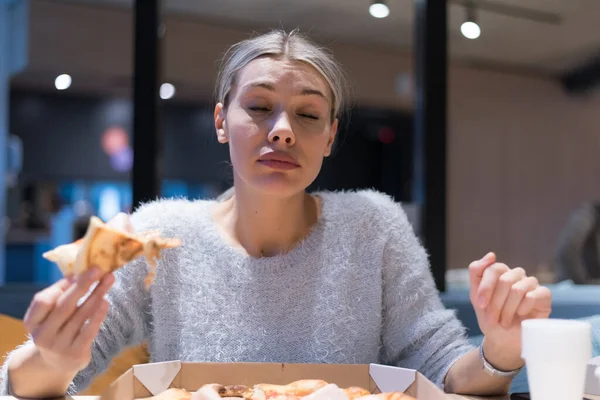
556, 353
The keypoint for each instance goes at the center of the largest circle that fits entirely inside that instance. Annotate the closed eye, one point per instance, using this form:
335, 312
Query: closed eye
261, 109
309, 116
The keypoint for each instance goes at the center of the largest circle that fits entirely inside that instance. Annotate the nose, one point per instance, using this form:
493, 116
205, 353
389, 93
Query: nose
282, 131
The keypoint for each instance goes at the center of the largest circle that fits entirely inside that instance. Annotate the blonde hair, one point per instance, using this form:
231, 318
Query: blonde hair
289, 45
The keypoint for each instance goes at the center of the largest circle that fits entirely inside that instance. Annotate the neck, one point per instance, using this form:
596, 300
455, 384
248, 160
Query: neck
266, 225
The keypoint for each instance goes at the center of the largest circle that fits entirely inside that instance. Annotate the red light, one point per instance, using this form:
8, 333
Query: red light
114, 140
386, 135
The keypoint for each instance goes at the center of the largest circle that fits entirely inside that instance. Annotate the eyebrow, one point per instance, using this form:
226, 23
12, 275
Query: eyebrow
304, 92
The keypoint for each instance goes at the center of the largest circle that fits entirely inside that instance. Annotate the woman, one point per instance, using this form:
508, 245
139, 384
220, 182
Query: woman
272, 273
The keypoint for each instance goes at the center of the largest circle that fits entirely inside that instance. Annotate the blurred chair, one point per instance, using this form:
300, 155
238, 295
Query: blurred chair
13, 334
578, 250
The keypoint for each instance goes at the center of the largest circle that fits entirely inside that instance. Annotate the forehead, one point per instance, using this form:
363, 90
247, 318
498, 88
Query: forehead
283, 72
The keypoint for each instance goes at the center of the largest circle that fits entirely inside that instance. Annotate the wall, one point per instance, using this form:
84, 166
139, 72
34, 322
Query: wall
62, 136
94, 44
522, 154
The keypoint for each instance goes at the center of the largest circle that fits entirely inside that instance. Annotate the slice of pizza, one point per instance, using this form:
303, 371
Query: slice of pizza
109, 246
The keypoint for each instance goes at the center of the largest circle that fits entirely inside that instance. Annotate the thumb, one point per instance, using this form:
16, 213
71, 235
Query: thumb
476, 270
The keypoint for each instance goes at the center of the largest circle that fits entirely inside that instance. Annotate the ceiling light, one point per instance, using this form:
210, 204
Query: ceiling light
379, 9
167, 91
469, 28
62, 82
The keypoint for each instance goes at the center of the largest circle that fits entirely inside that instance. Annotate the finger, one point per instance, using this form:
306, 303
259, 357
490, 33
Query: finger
488, 284
86, 310
476, 269
502, 290
536, 304
68, 301
88, 333
43, 303
514, 299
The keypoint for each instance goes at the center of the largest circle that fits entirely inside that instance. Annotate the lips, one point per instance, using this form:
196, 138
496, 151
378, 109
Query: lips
278, 160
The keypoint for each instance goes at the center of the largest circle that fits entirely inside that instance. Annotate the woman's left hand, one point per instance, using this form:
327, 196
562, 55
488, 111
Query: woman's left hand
502, 298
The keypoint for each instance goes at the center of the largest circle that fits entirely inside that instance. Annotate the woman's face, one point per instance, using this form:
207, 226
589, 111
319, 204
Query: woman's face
278, 125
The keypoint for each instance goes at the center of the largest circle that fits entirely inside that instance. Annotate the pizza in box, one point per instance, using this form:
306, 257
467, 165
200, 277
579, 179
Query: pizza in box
308, 389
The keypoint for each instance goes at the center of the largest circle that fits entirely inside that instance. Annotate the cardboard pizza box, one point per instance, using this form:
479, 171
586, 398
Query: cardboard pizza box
146, 380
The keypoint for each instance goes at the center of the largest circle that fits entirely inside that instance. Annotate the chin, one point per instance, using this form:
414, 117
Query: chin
279, 187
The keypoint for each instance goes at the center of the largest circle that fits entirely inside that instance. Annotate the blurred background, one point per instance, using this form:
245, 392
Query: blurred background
481, 117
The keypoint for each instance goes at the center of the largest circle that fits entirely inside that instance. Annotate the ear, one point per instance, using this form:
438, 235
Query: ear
332, 135
220, 123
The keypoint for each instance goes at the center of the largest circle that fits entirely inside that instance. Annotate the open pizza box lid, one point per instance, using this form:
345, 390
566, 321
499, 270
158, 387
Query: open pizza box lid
146, 380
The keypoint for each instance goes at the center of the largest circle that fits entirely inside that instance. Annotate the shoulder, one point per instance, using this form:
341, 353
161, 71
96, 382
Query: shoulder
169, 215
370, 208
380, 222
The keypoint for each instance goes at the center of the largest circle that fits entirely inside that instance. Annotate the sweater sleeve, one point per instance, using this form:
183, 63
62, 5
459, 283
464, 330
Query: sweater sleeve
127, 324
418, 332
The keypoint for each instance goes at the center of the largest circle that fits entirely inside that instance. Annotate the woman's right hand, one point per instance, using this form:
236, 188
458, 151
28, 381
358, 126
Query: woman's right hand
62, 330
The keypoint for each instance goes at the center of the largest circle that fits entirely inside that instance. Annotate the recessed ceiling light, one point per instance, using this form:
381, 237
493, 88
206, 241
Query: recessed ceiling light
379, 9
62, 82
167, 91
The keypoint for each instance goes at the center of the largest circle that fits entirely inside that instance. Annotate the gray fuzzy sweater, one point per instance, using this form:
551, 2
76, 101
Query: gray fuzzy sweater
358, 289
